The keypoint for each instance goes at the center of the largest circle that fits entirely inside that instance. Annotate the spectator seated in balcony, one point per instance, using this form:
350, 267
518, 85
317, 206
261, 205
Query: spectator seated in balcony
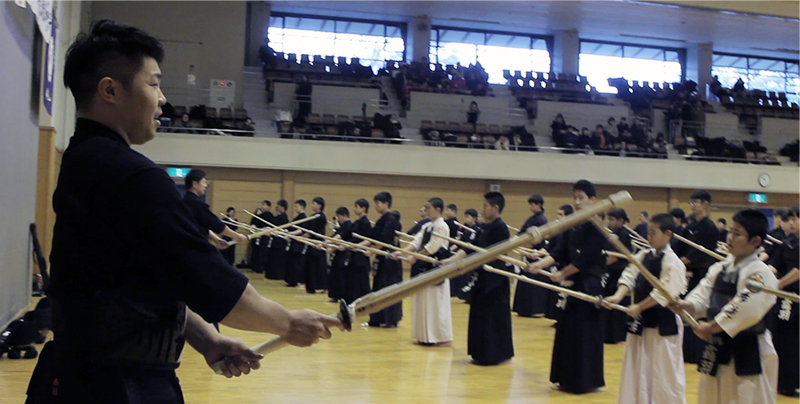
246, 128
184, 125
791, 150
559, 130
388, 124
585, 139
303, 95
611, 132
598, 141
472, 116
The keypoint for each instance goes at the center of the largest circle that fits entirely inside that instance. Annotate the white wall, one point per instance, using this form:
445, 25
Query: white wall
453, 108
18, 145
337, 100
208, 34
461, 163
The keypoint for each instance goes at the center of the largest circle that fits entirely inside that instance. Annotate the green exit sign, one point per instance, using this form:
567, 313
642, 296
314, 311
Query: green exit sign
757, 198
176, 172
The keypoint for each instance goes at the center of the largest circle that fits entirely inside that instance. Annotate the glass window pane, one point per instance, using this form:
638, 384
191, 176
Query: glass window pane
767, 64
540, 44
508, 41
643, 53
596, 48
730, 61
451, 53
394, 32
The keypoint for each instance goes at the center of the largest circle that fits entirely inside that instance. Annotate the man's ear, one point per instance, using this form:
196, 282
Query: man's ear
107, 89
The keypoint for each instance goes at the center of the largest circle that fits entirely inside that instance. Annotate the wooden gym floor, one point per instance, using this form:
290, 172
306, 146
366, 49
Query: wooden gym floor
372, 365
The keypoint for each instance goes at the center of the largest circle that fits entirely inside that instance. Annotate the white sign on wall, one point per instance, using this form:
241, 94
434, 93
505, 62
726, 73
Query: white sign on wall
222, 93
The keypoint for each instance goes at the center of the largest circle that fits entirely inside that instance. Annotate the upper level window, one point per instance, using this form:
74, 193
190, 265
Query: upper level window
494, 51
599, 61
372, 42
776, 75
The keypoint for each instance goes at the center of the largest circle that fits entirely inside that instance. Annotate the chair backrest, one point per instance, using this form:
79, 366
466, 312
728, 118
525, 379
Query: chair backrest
225, 113
211, 112
240, 114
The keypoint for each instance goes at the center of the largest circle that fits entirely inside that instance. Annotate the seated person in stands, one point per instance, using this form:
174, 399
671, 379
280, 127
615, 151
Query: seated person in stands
622, 128
739, 88
472, 116
183, 125
585, 139
572, 138
247, 127
660, 144
598, 141
559, 128
612, 133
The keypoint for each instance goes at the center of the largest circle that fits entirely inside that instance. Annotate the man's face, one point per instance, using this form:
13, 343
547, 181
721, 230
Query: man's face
642, 218
231, 213
423, 212
449, 213
141, 106
265, 207
315, 207
698, 206
490, 212
342, 218
358, 210
560, 214
298, 208
433, 213
794, 225
720, 226
279, 209
614, 223
739, 242
469, 220
581, 199
657, 238
535, 208
381, 207
200, 187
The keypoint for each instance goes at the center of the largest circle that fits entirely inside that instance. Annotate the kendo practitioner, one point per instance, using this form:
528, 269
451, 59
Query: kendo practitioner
784, 262
423, 218
230, 252
739, 364
253, 256
432, 321
489, 340
779, 217
616, 322
577, 364
207, 222
679, 216
461, 285
356, 280
704, 232
124, 304
553, 312
316, 258
277, 245
652, 367
340, 259
264, 242
388, 271
529, 300
296, 251
450, 218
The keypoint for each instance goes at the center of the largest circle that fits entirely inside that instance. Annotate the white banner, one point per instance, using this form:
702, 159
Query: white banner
43, 10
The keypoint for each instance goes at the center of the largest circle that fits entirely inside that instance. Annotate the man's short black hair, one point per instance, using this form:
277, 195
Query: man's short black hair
794, 211
300, 202
679, 213
282, 203
537, 199
619, 213
342, 211
585, 186
437, 203
195, 175
363, 203
452, 207
383, 197
723, 221
754, 222
495, 199
111, 50
471, 212
664, 221
702, 195
319, 201
230, 208
568, 209
781, 213
266, 202
644, 213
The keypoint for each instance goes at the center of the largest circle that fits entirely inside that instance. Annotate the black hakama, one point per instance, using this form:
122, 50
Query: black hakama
388, 272
489, 340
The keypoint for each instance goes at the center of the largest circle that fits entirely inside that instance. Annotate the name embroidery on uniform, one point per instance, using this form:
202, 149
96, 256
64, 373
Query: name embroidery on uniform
709, 356
786, 310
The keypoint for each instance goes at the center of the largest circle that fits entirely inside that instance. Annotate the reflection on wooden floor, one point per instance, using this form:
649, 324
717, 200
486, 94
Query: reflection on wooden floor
372, 365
